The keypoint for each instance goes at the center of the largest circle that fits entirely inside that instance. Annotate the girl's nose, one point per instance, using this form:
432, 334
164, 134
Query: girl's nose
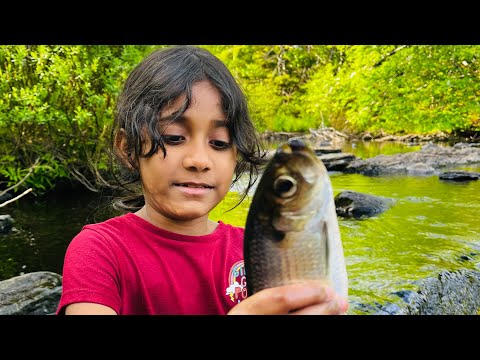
197, 158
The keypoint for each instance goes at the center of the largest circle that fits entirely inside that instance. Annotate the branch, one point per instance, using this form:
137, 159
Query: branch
384, 57
30, 171
79, 176
16, 197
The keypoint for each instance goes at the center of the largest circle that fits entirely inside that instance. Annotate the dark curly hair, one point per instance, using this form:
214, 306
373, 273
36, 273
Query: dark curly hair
161, 78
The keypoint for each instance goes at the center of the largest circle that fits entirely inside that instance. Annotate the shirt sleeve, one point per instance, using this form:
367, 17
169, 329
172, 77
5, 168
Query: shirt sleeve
90, 272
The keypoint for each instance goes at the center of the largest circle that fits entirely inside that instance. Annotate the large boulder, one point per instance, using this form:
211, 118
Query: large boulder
431, 158
35, 293
449, 293
459, 175
353, 204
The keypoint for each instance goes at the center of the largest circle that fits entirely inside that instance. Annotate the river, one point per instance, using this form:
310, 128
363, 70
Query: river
433, 226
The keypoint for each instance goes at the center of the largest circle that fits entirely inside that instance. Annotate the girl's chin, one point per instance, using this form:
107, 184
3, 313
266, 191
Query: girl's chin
191, 213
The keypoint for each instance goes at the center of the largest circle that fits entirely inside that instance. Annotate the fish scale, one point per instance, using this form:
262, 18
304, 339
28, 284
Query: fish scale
291, 232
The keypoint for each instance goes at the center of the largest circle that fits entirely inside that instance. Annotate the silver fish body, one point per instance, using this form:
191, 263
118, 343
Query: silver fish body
291, 231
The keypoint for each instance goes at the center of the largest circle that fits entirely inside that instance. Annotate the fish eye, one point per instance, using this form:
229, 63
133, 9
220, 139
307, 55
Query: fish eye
284, 186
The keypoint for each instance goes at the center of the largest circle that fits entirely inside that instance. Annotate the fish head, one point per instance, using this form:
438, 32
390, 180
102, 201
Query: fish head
298, 185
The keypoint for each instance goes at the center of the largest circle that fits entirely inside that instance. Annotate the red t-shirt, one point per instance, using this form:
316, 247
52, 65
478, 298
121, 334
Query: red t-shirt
134, 267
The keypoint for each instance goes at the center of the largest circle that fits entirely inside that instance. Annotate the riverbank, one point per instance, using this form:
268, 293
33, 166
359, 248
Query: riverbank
332, 135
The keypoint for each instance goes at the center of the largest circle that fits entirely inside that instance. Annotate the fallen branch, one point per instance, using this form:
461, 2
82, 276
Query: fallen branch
30, 171
16, 197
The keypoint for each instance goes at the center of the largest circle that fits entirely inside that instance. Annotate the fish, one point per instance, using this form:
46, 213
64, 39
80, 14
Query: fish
291, 231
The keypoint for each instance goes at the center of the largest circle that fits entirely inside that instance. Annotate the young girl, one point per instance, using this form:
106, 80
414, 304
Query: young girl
182, 132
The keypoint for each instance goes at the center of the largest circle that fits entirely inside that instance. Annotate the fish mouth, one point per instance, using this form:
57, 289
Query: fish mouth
297, 144
291, 146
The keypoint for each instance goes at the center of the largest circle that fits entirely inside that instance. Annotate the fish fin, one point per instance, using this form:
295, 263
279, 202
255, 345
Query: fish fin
327, 241
337, 271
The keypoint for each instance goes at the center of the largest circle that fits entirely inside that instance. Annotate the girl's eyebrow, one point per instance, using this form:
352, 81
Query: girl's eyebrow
171, 119
219, 123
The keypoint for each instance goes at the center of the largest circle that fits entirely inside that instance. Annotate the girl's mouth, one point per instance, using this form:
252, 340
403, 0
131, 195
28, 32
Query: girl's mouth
193, 189
195, 185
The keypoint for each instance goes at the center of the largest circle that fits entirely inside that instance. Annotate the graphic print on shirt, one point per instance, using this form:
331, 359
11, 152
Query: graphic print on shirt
237, 282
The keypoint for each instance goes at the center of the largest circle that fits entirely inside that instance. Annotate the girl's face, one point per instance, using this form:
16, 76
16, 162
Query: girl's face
197, 172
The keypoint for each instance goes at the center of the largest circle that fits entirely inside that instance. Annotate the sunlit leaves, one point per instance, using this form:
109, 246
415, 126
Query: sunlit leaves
60, 100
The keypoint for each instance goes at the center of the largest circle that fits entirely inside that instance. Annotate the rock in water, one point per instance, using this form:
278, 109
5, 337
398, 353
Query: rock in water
450, 293
35, 293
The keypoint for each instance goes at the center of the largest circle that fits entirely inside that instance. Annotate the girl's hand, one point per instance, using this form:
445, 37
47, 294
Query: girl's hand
308, 298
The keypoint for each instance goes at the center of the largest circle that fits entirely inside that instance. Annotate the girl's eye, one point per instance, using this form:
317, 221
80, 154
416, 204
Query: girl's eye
220, 145
173, 139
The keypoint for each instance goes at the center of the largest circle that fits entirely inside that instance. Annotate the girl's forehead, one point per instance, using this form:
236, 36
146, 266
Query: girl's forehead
173, 106
205, 97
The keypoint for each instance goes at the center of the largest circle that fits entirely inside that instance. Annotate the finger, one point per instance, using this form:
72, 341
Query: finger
337, 306
286, 298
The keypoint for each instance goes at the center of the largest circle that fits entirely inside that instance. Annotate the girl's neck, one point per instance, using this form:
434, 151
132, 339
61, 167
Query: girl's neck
195, 227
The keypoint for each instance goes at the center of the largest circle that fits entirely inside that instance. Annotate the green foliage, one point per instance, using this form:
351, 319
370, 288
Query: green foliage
273, 78
390, 88
401, 89
57, 102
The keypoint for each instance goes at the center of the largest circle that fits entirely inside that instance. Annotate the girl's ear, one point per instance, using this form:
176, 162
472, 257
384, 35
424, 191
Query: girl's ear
121, 147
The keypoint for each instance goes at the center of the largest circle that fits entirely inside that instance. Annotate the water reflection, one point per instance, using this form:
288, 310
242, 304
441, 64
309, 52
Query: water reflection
368, 149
